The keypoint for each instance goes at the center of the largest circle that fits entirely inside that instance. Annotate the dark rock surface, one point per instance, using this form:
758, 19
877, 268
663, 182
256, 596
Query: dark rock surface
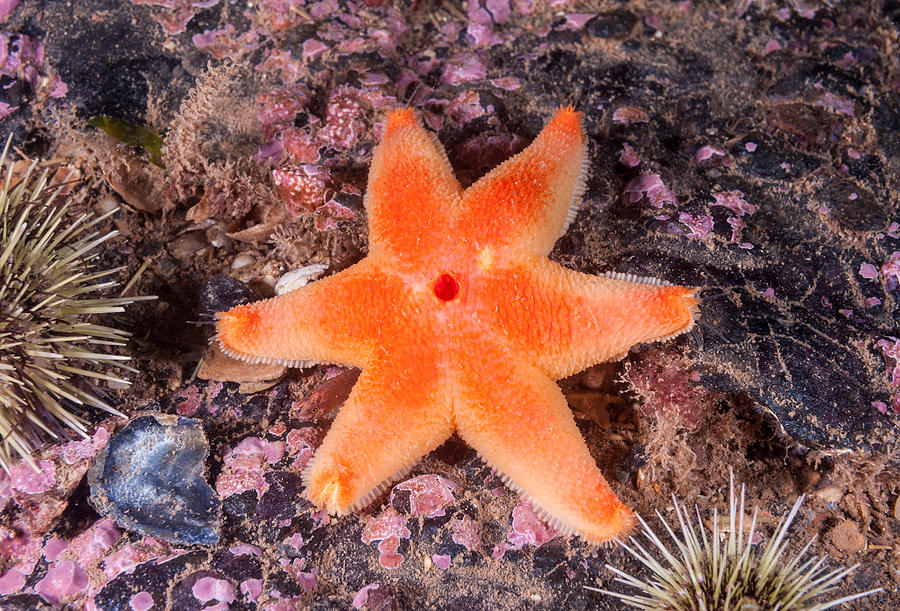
751, 149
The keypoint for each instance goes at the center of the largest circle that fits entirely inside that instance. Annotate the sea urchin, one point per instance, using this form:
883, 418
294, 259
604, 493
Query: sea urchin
50, 351
719, 572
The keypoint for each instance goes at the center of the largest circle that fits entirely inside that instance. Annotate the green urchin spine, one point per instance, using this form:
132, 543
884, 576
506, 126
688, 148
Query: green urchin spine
49, 348
712, 571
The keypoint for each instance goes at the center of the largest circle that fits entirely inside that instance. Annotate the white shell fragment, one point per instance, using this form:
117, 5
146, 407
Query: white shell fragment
296, 278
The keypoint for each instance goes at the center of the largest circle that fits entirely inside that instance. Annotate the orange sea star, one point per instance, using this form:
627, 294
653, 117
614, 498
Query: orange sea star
461, 323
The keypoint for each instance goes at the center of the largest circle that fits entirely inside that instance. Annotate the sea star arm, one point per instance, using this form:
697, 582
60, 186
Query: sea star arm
565, 321
518, 420
397, 412
528, 201
333, 320
412, 192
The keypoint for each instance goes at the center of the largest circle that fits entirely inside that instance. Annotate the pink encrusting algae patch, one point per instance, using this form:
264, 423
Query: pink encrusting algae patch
142, 601
651, 186
527, 529
245, 465
65, 579
301, 446
128, 557
465, 533
295, 568
176, 13
92, 544
362, 597
429, 495
708, 153
187, 401
630, 114
441, 561
24, 478
869, 271
890, 346
251, 588
388, 528
699, 226
210, 588
7, 7
302, 187
890, 271
734, 201
628, 157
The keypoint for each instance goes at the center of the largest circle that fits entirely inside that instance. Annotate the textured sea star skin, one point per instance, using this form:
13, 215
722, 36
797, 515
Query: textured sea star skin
461, 323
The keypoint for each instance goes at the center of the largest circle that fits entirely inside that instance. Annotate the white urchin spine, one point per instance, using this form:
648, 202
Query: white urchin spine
709, 571
49, 348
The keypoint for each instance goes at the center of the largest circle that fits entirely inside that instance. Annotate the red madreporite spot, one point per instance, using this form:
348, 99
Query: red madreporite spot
446, 287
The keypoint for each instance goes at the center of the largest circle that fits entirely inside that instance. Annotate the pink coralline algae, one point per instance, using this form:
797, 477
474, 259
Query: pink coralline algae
54, 547
24, 478
301, 445
81, 452
245, 549
734, 201
429, 495
630, 114
329, 213
295, 541
890, 271
891, 348
388, 528
65, 579
187, 401
699, 226
576, 21
127, 558
441, 561
344, 119
142, 601
305, 579
222, 43
651, 186
736, 226
771, 47
464, 68
22, 59
283, 62
301, 145
245, 464
210, 588
7, 7
370, 596
527, 529
868, 271
482, 16
251, 588
666, 388
507, 83
177, 13
302, 187
709, 154
277, 108
465, 533
91, 545
628, 157
464, 108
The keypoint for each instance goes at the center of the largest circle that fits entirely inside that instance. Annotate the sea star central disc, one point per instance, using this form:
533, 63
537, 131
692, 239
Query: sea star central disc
484, 368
